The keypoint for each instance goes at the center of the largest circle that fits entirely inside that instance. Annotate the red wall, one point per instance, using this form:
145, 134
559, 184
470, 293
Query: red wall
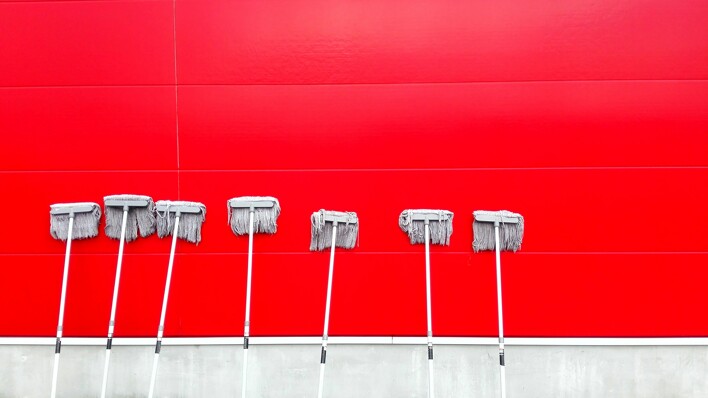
588, 117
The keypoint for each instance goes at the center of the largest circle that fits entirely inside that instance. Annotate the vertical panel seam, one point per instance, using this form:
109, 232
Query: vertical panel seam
174, 52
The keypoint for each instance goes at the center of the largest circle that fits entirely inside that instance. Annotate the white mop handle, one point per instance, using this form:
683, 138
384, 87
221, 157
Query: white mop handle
243, 374
116, 283
168, 280
114, 303
153, 375
323, 353
329, 282
104, 383
62, 302
500, 314
431, 380
320, 386
429, 311
502, 377
55, 373
247, 322
161, 328
65, 278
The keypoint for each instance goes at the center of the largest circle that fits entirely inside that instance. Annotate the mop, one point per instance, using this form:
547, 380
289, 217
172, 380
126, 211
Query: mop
249, 215
498, 230
428, 226
70, 221
331, 229
126, 215
181, 220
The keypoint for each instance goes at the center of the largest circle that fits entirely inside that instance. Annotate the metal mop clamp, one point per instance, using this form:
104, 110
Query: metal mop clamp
70, 221
331, 229
428, 226
249, 215
126, 215
181, 220
498, 230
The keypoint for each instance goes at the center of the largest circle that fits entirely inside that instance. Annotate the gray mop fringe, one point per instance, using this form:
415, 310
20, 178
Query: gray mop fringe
347, 233
440, 230
140, 219
190, 224
264, 218
85, 223
510, 235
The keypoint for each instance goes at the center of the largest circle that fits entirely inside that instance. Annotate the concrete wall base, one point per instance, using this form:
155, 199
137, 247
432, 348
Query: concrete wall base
361, 371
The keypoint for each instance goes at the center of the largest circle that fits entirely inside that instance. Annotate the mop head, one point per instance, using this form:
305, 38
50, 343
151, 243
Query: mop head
322, 223
510, 233
264, 218
190, 224
139, 218
412, 222
85, 222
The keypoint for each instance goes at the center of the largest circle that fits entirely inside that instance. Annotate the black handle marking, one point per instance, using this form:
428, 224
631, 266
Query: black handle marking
158, 346
109, 343
245, 343
323, 355
57, 347
430, 352
501, 358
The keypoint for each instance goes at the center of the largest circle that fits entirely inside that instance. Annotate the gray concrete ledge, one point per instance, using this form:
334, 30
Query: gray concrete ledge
356, 371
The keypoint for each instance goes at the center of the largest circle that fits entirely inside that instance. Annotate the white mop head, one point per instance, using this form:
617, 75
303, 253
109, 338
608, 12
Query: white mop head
412, 222
266, 210
322, 224
192, 215
86, 218
140, 218
511, 230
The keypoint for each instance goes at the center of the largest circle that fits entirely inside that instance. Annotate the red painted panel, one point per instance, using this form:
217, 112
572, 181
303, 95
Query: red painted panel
34, 289
373, 294
86, 43
596, 167
320, 41
207, 296
27, 208
605, 295
142, 287
80, 128
30, 288
554, 124
587, 210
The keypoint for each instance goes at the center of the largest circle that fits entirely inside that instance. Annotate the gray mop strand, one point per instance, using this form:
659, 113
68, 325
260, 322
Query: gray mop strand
264, 218
190, 224
510, 234
321, 237
140, 219
440, 230
85, 223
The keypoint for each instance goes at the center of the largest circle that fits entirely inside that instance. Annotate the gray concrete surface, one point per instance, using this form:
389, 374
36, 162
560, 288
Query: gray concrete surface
357, 371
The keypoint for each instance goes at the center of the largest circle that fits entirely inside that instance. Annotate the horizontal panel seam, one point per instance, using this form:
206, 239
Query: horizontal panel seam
480, 82
81, 1
452, 169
